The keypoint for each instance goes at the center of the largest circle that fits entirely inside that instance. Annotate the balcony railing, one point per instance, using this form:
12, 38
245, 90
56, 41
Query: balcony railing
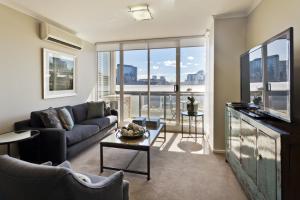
162, 104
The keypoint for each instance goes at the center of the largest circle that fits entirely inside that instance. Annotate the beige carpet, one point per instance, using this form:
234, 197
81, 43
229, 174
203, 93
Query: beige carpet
181, 169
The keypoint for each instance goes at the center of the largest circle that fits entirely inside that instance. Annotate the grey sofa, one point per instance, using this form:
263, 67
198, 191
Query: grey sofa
20, 180
58, 145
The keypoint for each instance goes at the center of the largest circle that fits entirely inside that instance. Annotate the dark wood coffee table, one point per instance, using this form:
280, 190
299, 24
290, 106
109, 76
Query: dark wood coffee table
141, 144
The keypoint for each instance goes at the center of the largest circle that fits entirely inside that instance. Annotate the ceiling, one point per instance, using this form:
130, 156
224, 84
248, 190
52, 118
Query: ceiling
109, 20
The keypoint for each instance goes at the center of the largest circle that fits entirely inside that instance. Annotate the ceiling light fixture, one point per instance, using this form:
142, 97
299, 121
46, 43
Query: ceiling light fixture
140, 12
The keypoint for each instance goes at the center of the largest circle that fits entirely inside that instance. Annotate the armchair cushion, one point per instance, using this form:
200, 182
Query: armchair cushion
80, 133
48, 163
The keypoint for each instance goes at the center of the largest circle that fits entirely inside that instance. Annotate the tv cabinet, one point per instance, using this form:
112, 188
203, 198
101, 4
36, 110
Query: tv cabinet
264, 154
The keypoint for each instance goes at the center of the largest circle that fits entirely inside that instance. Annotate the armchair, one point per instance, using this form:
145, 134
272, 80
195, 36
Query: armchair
20, 180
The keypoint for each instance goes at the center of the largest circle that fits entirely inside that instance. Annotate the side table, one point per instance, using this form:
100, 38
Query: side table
195, 115
15, 137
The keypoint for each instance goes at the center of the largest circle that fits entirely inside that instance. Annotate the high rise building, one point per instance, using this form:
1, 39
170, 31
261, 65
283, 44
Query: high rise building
194, 79
130, 74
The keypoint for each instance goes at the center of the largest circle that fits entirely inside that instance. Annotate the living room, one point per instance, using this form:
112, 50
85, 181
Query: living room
139, 93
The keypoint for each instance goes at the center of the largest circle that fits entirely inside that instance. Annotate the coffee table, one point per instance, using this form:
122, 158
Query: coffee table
141, 144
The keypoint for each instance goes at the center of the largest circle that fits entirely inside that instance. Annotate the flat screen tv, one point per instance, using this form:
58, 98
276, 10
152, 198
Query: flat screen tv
267, 76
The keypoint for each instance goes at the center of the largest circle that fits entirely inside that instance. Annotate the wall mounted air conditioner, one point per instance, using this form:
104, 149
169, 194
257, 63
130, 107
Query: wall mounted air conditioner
54, 34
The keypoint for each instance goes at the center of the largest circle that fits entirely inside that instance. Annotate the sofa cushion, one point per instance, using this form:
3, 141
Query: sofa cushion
65, 118
103, 122
80, 133
36, 121
50, 118
80, 112
96, 109
69, 108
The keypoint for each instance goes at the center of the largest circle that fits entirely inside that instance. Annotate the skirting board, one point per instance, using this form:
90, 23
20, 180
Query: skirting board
220, 151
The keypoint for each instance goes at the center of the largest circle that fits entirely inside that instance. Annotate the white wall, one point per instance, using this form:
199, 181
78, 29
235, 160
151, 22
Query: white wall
270, 18
229, 44
21, 69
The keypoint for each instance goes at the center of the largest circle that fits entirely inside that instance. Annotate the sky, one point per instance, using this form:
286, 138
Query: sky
163, 62
278, 47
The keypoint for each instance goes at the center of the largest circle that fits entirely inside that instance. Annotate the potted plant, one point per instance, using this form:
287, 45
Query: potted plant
192, 105
257, 100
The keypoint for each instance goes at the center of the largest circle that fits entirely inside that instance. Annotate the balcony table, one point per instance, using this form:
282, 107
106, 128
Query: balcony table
195, 115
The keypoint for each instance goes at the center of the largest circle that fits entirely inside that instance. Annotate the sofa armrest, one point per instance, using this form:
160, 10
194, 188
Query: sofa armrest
50, 145
22, 125
53, 145
114, 112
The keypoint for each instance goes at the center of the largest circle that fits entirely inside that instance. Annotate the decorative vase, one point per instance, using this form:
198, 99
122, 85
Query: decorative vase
192, 108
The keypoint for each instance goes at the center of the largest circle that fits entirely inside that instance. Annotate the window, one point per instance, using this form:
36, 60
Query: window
150, 76
162, 69
192, 69
104, 74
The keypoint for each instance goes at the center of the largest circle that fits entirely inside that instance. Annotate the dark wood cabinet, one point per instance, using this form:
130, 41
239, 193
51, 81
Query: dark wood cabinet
264, 154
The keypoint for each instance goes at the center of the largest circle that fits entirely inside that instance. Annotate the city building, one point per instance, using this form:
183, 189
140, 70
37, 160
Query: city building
194, 79
130, 75
278, 75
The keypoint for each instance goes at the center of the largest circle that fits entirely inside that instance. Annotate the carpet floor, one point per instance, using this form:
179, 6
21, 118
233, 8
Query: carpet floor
181, 169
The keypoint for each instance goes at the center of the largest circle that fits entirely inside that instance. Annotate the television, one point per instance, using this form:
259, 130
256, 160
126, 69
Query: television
267, 76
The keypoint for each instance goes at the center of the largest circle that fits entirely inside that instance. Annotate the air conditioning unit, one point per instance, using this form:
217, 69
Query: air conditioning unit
54, 34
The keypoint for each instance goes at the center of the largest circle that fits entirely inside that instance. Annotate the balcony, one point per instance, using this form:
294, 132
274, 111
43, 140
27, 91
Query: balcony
162, 105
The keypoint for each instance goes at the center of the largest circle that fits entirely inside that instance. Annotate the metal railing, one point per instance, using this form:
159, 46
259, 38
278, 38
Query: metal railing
162, 104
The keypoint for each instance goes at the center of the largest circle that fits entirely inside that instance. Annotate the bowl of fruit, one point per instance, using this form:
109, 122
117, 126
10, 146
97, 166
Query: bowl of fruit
132, 131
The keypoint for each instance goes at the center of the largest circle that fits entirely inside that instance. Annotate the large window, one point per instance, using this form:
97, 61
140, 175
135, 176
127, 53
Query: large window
104, 74
192, 69
150, 79
162, 69
135, 75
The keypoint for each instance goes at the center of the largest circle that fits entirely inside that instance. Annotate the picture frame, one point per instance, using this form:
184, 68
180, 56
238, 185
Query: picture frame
59, 74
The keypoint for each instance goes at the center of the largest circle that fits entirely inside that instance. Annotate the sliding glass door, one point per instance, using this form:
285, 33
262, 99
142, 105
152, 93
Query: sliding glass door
152, 82
163, 84
192, 77
135, 75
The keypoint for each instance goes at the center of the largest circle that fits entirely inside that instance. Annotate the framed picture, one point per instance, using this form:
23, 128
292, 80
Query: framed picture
59, 74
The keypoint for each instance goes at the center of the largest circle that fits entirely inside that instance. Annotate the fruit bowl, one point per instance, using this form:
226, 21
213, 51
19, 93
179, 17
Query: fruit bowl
132, 131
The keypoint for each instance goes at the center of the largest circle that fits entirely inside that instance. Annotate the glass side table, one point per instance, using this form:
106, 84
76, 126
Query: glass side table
195, 115
15, 137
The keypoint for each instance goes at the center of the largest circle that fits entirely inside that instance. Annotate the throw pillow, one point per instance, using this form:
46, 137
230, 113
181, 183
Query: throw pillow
83, 177
48, 163
96, 109
50, 119
107, 111
65, 118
